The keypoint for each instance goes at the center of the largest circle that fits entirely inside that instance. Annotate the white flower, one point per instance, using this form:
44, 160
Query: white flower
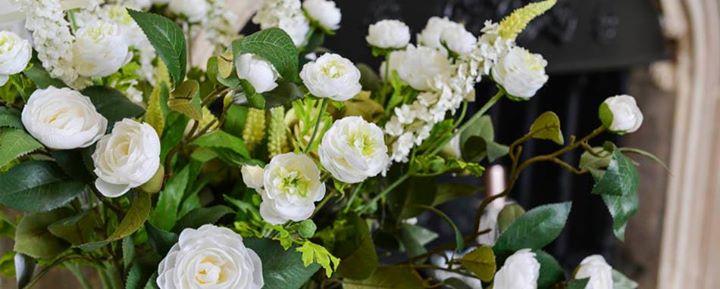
332, 76
458, 40
520, 72
15, 53
63, 119
210, 257
599, 272
621, 114
259, 72
100, 49
75, 4
418, 66
297, 27
126, 158
291, 187
520, 271
388, 34
353, 150
194, 10
324, 12
286, 15
252, 176
430, 36
444, 262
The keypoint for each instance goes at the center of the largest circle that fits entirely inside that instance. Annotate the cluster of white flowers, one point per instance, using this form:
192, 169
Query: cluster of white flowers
219, 27
286, 15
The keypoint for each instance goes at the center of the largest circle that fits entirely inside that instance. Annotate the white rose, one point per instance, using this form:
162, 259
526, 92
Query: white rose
520, 271
210, 257
599, 272
126, 158
418, 66
520, 72
430, 36
194, 10
621, 114
332, 76
388, 34
324, 12
100, 49
63, 119
257, 71
353, 150
291, 187
458, 40
252, 176
15, 53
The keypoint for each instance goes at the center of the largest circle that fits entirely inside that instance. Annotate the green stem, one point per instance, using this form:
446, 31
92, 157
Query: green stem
75, 270
323, 107
386, 191
73, 22
353, 195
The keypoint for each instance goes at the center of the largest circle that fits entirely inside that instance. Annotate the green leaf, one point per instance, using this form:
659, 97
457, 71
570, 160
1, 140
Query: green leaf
160, 240
37, 186
174, 133
369, 79
447, 192
15, 143
534, 230
481, 262
155, 115
547, 127
221, 139
185, 99
7, 265
33, 238
414, 238
73, 164
10, 117
621, 281
315, 254
459, 240
285, 93
551, 272
577, 283
128, 251
133, 220
281, 269
416, 191
355, 248
478, 141
201, 216
77, 229
389, 277
621, 208
40, 76
167, 39
165, 213
112, 104
621, 177
508, 215
275, 46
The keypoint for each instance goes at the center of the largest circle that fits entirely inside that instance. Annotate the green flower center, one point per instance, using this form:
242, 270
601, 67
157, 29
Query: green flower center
362, 142
333, 69
293, 183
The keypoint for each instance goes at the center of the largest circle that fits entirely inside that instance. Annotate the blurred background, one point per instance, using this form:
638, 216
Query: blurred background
666, 53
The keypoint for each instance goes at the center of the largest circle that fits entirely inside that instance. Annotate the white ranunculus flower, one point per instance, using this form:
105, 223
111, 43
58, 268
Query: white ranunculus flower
458, 40
599, 272
621, 114
15, 53
418, 66
100, 49
332, 76
126, 158
194, 10
324, 12
353, 150
252, 176
259, 72
520, 271
210, 257
520, 72
430, 36
297, 27
292, 185
388, 34
63, 119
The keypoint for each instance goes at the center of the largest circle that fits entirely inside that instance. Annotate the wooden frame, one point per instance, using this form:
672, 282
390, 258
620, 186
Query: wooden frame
690, 254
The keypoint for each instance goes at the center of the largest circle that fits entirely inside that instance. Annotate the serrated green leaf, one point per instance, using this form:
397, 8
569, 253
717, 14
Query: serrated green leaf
155, 115
185, 99
174, 132
77, 229
128, 251
551, 272
160, 239
547, 127
282, 269
15, 143
389, 277
201, 216
33, 238
112, 104
508, 215
221, 139
315, 254
481, 262
165, 213
273, 45
620, 178
40, 76
167, 39
10, 117
534, 230
133, 220
285, 93
37, 186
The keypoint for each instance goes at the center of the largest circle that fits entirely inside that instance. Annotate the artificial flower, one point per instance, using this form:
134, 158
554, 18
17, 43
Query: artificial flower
520, 72
599, 272
620, 114
353, 150
259, 72
194, 10
15, 53
100, 49
388, 34
332, 76
324, 12
520, 271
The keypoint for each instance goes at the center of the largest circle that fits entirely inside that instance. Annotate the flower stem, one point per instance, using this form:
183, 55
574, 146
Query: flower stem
386, 191
323, 106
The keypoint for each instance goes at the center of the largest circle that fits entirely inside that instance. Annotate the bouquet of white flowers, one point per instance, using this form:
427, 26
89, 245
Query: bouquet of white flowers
280, 164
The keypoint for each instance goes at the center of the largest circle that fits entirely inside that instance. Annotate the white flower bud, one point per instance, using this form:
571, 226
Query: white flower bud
126, 158
324, 12
100, 49
353, 150
332, 76
520, 271
520, 72
15, 53
620, 114
63, 119
388, 34
259, 72
599, 272
194, 10
252, 176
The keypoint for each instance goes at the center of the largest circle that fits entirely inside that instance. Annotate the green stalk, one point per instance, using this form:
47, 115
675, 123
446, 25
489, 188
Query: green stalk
323, 107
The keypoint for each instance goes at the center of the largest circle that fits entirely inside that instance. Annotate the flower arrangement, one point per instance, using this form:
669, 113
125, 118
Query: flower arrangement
280, 165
